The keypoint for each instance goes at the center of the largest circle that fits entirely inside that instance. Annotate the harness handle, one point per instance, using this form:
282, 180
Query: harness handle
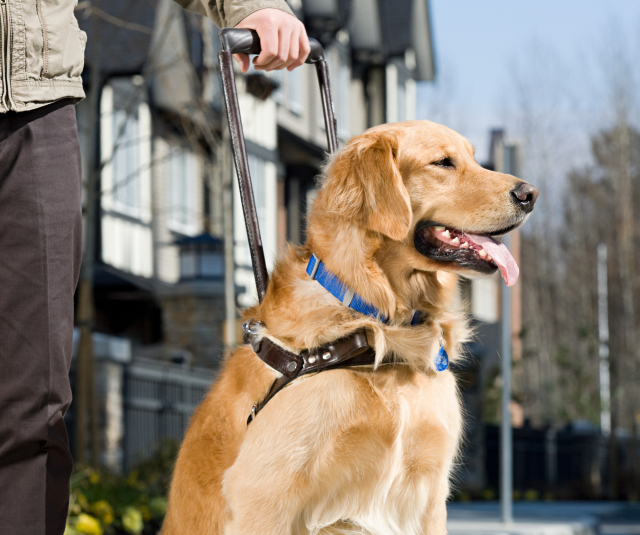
242, 41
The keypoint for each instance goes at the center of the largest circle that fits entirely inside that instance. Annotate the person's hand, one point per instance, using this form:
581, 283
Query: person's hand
283, 40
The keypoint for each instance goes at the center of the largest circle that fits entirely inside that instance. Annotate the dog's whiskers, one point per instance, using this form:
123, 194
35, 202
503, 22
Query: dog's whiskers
465, 220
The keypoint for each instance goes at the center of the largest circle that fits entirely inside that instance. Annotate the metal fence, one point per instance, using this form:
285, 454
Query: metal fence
569, 463
159, 399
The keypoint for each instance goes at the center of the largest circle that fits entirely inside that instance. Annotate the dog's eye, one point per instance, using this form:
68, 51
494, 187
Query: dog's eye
445, 162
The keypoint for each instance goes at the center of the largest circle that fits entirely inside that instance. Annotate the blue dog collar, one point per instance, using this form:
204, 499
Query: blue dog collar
317, 271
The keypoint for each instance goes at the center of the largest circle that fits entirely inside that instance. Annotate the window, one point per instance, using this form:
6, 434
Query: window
294, 91
265, 190
289, 91
125, 152
312, 193
484, 299
402, 102
182, 190
277, 77
125, 148
126, 162
256, 168
320, 109
344, 83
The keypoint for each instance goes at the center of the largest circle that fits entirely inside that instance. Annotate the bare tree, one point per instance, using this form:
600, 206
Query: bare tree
589, 194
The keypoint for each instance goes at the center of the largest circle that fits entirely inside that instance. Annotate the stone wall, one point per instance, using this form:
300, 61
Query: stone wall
193, 314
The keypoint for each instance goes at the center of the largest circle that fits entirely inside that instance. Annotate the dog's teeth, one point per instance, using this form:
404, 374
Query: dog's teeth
482, 253
464, 245
489, 258
455, 240
438, 228
446, 234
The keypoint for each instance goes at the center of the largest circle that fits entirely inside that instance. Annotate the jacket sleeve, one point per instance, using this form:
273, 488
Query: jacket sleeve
228, 13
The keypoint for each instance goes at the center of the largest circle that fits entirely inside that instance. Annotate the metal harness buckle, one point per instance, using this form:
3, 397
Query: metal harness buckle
253, 413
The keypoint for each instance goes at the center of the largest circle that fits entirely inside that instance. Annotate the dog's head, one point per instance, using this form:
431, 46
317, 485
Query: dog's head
418, 185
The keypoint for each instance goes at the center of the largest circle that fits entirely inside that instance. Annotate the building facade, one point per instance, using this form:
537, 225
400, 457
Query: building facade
164, 159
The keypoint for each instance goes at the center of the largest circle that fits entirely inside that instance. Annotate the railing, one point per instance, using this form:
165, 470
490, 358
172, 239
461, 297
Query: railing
569, 463
159, 399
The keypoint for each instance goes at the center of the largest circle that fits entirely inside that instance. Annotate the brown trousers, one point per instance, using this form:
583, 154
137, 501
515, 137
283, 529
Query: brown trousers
40, 248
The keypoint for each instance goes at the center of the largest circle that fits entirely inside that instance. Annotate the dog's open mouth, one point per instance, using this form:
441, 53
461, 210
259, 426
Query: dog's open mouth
479, 252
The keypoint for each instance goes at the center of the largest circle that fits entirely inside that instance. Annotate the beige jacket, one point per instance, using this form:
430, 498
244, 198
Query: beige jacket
42, 47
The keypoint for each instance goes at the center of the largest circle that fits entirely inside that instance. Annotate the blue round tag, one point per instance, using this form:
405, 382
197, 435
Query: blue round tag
442, 360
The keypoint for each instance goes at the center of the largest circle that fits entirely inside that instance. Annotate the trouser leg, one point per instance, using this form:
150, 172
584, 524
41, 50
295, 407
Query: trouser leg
40, 249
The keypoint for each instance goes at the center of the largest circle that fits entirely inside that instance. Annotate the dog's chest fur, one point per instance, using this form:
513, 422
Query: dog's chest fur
385, 434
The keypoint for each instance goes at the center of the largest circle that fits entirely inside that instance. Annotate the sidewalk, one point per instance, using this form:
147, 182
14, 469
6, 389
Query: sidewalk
553, 518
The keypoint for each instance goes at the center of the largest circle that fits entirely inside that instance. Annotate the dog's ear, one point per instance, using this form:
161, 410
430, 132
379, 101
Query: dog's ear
364, 184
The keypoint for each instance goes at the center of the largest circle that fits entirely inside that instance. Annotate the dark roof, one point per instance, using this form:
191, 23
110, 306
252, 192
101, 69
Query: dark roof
124, 34
395, 21
383, 29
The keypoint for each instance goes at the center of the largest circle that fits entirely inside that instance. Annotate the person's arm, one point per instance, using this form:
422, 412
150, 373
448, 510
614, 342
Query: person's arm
283, 37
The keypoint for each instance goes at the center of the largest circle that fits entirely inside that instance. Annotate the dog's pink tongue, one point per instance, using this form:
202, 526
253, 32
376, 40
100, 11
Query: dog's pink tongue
501, 256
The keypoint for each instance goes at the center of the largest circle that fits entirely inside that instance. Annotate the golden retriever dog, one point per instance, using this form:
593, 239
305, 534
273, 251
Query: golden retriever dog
403, 209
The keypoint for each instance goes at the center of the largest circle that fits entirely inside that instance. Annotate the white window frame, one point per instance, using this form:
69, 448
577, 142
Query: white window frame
344, 101
401, 109
295, 84
277, 77
257, 169
126, 163
183, 181
290, 89
135, 146
264, 179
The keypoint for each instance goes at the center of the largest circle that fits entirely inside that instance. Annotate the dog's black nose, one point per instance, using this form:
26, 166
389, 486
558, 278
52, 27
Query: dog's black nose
525, 195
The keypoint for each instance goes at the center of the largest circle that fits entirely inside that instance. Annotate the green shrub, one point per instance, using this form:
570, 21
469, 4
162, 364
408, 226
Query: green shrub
102, 503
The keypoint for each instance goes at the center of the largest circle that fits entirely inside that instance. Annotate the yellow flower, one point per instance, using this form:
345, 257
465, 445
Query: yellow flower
94, 478
132, 521
103, 510
88, 524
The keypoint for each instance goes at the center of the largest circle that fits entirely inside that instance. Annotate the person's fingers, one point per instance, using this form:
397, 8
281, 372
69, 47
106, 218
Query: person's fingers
282, 57
303, 49
269, 45
243, 60
283, 40
294, 48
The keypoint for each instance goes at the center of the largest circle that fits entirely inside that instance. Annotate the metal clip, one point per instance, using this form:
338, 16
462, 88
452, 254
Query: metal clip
251, 331
312, 275
253, 414
252, 326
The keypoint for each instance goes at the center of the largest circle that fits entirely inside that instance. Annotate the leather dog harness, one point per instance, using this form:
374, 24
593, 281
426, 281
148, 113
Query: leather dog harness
351, 350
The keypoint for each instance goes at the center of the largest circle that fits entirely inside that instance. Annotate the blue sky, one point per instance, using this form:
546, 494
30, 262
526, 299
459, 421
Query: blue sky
480, 42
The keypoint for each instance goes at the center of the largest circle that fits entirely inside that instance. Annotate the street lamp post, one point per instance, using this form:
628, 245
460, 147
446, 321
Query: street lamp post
507, 160
603, 335
506, 433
